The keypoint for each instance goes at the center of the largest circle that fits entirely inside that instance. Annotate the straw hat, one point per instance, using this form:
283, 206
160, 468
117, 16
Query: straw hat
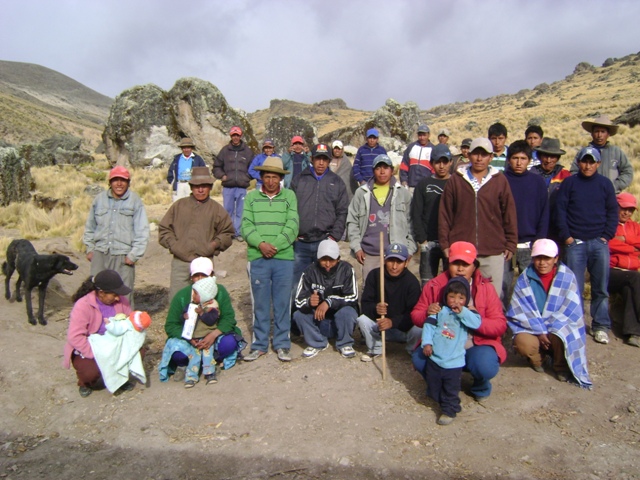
273, 165
601, 121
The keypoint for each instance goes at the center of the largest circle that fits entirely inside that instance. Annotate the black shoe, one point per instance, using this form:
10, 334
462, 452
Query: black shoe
211, 378
85, 391
127, 387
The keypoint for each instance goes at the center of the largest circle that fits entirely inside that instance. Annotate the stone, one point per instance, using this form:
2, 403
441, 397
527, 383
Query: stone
630, 117
146, 123
56, 150
583, 67
529, 104
16, 182
281, 129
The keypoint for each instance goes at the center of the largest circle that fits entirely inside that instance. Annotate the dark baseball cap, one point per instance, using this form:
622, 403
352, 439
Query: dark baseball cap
110, 281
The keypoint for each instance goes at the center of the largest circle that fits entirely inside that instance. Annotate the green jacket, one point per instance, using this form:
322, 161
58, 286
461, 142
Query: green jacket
175, 317
274, 221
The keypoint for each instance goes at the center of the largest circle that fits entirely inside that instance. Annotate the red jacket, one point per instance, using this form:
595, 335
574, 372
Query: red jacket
485, 300
626, 254
85, 319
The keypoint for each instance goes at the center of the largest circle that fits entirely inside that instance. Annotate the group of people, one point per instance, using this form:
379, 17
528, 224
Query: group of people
475, 214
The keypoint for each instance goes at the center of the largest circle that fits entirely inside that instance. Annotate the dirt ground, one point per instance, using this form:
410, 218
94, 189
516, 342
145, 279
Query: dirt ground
326, 417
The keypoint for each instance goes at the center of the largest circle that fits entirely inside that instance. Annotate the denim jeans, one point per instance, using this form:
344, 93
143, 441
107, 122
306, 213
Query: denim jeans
305, 253
592, 255
233, 199
338, 324
430, 255
481, 361
373, 338
271, 284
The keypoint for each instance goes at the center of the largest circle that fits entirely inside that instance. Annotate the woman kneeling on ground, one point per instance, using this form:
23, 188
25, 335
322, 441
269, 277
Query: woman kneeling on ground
210, 342
624, 277
97, 300
546, 316
484, 350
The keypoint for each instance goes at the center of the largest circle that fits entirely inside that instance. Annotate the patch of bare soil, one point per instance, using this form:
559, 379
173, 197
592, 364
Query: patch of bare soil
325, 417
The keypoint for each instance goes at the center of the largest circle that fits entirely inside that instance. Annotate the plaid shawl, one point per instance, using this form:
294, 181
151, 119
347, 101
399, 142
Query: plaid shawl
562, 316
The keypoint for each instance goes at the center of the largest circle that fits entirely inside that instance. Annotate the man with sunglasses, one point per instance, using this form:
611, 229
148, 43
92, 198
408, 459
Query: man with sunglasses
424, 213
586, 216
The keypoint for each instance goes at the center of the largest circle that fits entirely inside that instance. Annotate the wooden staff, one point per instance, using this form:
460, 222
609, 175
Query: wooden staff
382, 333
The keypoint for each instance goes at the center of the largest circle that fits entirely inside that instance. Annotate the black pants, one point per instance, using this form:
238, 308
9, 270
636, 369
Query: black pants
627, 283
443, 385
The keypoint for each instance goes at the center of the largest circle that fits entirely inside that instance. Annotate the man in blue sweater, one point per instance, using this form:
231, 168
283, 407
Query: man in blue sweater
586, 217
363, 163
532, 209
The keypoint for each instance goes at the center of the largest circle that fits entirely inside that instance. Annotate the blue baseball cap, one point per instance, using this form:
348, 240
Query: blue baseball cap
396, 250
373, 132
590, 152
440, 151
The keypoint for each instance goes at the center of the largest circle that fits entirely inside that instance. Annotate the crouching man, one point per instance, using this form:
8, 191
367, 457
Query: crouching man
327, 302
401, 292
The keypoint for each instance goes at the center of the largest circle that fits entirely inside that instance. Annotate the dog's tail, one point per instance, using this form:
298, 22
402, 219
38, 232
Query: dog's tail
4, 268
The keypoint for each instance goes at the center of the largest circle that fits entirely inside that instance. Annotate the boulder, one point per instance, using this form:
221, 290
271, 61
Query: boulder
147, 123
282, 128
16, 182
630, 117
56, 150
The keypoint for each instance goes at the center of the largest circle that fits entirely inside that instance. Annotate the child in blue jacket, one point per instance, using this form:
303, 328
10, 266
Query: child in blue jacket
444, 336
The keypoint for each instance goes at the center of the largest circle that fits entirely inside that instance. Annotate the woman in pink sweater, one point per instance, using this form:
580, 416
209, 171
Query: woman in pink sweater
97, 299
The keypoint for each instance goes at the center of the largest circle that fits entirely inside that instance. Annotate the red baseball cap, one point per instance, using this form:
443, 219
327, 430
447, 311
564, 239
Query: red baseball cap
119, 172
235, 131
626, 200
464, 251
297, 139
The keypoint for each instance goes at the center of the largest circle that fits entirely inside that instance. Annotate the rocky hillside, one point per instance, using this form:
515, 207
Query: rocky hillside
38, 103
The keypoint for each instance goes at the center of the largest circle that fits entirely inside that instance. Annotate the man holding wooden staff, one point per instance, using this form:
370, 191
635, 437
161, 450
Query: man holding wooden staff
401, 292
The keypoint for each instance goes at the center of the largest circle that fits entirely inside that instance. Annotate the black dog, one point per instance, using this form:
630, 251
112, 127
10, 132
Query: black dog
35, 271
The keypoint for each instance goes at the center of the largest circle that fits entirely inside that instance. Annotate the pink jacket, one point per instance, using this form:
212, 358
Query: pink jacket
84, 320
485, 300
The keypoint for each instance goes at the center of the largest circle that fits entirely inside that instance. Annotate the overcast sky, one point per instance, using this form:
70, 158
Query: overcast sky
363, 51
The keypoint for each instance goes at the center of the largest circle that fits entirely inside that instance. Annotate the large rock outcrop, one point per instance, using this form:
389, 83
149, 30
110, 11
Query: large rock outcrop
630, 117
146, 123
396, 122
16, 182
56, 150
282, 129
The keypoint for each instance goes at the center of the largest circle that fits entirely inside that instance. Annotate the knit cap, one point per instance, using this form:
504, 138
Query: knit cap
206, 288
464, 282
140, 320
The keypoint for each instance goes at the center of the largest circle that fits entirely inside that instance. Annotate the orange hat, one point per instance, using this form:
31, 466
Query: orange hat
140, 320
119, 172
464, 251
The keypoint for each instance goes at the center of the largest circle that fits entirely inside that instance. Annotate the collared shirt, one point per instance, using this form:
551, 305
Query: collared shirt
184, 167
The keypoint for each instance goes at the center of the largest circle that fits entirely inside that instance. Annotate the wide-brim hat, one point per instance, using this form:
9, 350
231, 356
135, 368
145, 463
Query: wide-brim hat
273, 165
186, 142
201, 176
601, 121
550, 146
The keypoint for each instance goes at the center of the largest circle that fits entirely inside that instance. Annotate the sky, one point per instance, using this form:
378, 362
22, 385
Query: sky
363, 51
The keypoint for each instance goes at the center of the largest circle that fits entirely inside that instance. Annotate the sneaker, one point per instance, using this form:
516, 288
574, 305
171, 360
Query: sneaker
445, 419
562, 376
634, 340
127, 387
482, 400
239, 238
189, 384
211, 378
284, 355
85, 392
348, 352
253, 355
311, 352
538, 368
600, 336
179, 374
369, 356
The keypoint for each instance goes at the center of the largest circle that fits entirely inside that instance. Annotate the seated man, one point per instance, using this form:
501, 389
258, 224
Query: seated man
327, 302
401, 293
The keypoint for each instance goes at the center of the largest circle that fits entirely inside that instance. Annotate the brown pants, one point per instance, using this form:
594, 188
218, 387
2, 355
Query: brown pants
528, 346
87, 371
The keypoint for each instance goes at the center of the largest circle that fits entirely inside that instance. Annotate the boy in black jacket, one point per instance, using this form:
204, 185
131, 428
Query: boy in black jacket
401, 293
327, 302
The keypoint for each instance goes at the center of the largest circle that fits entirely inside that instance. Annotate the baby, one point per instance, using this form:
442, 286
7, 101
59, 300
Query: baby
443, 342
120, 324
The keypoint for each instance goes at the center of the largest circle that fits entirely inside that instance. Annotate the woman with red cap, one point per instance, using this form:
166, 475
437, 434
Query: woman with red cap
484, 350
624, 263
